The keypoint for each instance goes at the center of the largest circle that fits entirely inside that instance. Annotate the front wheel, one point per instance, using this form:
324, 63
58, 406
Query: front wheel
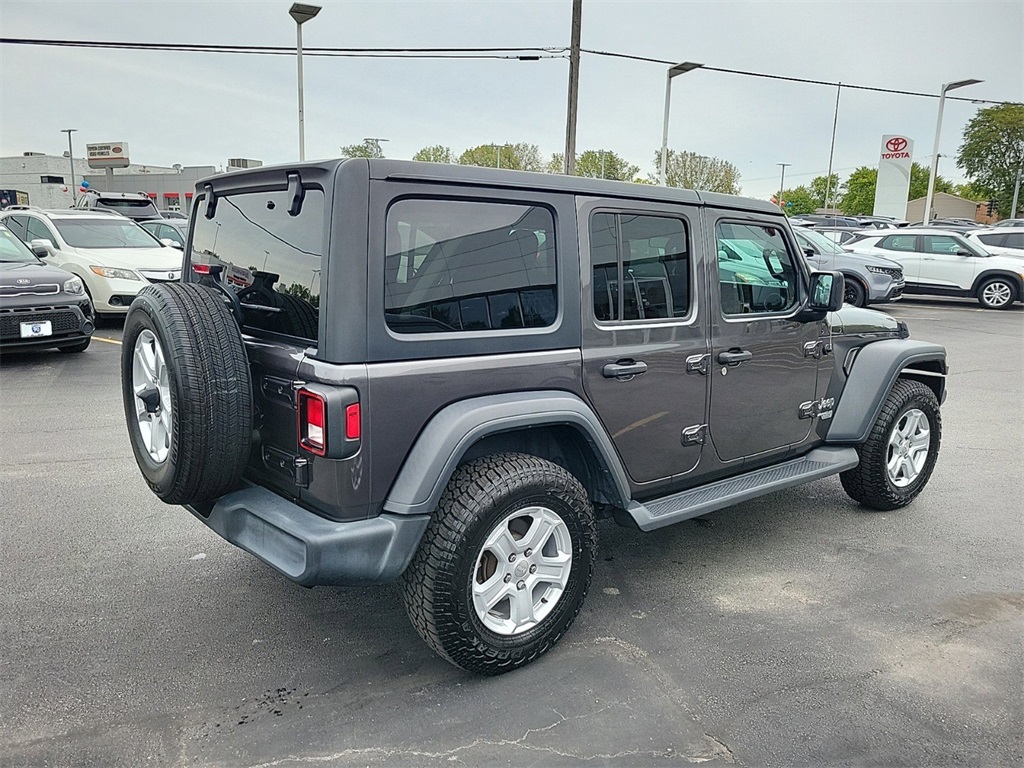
997, 293
854, 293
504, 565
899, 455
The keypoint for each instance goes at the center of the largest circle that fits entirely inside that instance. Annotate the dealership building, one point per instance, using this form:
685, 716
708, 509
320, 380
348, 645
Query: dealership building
49, 183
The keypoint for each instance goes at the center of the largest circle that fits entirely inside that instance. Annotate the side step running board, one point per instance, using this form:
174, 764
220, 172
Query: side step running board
667, 510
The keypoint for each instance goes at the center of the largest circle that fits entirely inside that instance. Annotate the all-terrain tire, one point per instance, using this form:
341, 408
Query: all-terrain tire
210, 391
438, 584
870, 482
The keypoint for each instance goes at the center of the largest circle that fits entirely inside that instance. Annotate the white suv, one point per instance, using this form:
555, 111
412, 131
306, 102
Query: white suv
940, 263
113, 255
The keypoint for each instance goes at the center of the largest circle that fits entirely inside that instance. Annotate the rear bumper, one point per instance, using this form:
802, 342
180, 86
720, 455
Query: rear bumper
309, 549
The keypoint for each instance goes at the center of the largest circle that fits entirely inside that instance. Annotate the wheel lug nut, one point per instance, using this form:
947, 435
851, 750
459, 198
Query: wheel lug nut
508, 577
529, 552
521, 585
512, 557
533, 569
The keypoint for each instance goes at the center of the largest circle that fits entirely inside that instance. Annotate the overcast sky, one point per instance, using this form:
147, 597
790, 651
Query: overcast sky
202, 108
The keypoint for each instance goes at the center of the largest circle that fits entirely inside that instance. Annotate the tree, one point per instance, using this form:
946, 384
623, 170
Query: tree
370, 148
693, 171
972, 190
859, 199
597, 164
919, 182
993, 151
798, 200
435, 154
516, 157
825, 190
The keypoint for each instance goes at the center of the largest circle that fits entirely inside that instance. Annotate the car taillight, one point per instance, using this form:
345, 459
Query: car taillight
353, 426
201, 269
312, 414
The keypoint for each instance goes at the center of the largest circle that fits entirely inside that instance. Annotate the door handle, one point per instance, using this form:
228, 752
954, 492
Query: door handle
623, 369
734, 356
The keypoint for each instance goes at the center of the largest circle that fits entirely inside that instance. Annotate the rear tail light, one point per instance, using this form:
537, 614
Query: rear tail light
312, 414
201, 269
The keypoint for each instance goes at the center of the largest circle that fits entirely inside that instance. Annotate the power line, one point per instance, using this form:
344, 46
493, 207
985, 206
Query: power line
796, 79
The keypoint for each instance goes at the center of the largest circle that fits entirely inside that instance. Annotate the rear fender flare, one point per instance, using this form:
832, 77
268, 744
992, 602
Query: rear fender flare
456, 428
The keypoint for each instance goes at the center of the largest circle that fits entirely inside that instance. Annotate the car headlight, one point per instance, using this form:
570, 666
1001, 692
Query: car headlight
74, 286
114, 273
890, 271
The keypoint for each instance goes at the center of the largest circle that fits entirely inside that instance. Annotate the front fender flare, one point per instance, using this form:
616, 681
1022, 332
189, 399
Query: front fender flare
454, 429
874, 371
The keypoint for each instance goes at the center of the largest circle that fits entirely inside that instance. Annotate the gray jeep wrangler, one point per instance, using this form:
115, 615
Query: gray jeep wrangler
378, 370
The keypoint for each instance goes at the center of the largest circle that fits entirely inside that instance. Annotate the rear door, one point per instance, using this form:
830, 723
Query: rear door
763, 360
645, 333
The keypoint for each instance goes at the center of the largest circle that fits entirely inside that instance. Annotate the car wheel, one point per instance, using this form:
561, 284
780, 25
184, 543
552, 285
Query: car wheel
897, 459
854, 293
187, 392
504, 564
997, 293
79, 347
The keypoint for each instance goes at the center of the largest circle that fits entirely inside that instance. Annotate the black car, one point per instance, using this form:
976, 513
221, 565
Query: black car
40, 306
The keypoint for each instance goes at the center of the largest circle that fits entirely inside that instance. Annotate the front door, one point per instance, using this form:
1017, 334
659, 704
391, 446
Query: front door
943, 263
763, 360
645, 333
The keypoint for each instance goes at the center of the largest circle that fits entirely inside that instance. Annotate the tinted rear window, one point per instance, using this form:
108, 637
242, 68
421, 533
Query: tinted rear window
270, 259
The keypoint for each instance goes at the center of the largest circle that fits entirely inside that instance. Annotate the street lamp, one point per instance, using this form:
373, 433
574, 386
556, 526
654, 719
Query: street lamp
301, 13
375, 140
678, 69
71, 160
935, 149
497, 147
181, 193
782, 182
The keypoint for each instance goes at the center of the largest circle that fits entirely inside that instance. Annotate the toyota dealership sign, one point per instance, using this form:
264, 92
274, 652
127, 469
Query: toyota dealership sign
112, 154
893, 184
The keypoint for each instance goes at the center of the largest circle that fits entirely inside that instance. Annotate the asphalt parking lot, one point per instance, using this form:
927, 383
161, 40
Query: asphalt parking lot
795, 630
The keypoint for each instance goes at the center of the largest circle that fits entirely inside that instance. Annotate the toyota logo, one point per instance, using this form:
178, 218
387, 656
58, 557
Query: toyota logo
896, 144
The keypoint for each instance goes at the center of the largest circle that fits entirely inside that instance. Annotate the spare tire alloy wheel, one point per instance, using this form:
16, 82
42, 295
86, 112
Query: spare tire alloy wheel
504, 565
153, 407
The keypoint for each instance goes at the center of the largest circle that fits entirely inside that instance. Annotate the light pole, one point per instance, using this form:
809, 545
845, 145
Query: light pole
935, 148
782, 182
376, 142
1016, 194
678, 69
497, 147
71, 160
301, 13
181, 192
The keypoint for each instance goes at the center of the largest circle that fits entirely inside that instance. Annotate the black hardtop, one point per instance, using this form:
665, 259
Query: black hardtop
272, 176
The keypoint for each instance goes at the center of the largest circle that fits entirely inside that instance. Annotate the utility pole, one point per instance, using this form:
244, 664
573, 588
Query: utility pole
574, 89
1016, 195
71, 160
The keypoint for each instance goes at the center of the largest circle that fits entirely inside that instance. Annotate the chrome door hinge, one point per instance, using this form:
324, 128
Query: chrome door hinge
695, 435
809, 409
698, 364
817, 348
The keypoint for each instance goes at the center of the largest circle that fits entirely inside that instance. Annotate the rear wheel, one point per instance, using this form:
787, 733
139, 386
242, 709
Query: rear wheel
997, 293
899, 455
187, 393
504, 565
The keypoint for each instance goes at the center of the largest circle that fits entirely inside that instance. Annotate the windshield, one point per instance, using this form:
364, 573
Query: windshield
118, 204
105, 233
12, 249
819, 241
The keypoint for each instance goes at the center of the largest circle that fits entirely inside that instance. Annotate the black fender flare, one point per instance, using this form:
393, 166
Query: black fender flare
454, 429
875, 369
1016, 280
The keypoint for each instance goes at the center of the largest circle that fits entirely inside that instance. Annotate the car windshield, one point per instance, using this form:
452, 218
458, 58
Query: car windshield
105, 233
12, 249
120, 204
822, 243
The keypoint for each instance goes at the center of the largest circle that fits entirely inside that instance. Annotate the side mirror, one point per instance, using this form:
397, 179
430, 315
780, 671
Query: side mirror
41, 248
827, 290
964, 253
810, 253
171, 243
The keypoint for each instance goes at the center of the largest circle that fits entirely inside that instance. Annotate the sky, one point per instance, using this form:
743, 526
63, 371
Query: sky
202, 108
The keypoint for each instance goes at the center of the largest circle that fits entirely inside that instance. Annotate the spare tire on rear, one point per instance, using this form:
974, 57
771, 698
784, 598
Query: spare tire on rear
187, 392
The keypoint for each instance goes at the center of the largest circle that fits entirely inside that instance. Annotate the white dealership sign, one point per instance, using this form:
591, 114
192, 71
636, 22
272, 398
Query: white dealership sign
893, 184
113, 154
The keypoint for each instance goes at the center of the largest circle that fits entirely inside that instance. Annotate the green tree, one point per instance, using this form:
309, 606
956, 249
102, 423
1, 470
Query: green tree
435, 154
993, 151
825, 190
516, 157
369, 148
919, 182
859, 199
597, 164
798, 200
693, 171
972, 190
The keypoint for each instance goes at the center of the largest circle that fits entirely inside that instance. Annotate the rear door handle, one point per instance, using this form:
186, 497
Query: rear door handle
624, 369
734, 356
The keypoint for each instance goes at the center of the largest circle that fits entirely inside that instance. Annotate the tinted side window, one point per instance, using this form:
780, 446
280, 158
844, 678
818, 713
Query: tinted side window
456, 265
993, 239
756, 271
649, 256
270, 258
899, 243
17, 225
941, 244
38, 231
1014, 240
